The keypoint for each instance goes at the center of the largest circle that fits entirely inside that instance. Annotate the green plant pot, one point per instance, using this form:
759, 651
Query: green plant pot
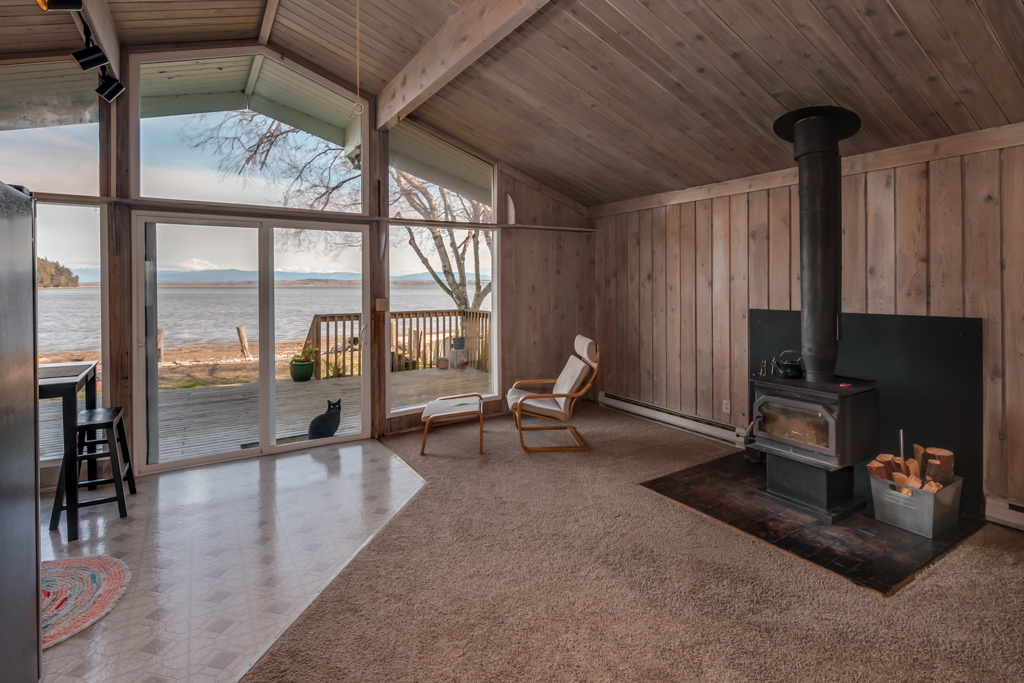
300, 372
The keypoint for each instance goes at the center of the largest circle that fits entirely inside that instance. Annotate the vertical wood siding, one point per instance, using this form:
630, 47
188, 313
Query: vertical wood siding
943, 237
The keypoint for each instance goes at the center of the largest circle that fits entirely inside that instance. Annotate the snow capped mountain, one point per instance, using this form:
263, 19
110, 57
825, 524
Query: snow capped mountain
196, 264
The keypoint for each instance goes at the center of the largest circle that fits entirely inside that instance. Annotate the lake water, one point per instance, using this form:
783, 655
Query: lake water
69, 319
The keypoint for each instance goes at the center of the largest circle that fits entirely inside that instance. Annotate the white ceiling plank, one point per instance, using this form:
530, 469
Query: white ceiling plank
470, 33
104, 33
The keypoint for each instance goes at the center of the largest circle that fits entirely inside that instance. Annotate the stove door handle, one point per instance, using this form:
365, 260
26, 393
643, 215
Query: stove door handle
753, 424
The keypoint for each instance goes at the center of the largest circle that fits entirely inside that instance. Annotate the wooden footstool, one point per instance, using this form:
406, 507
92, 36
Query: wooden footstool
452, 408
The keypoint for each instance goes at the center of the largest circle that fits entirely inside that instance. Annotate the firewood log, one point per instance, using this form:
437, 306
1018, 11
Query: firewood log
914, 468
887, 460
944, 457
877, 469
914, 482
932, 471
919, 456
932, 486
900, 478
900, 489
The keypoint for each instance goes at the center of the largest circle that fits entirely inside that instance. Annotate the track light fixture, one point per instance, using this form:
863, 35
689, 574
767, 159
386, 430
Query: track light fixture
60, 5
110, 87
90, 58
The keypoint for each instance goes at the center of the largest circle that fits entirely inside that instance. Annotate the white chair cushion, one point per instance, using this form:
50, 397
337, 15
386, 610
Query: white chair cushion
451, 406
539, 406
587, 349
569, 382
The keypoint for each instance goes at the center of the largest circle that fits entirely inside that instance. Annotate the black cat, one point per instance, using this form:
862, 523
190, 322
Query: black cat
324, 426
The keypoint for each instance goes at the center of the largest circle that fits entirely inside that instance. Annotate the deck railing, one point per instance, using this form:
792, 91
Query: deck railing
418, 339
335, 338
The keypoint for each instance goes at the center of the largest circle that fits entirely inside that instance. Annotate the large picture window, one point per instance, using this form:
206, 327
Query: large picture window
434, 180
69, 303
247, 130
440, 277
49, 130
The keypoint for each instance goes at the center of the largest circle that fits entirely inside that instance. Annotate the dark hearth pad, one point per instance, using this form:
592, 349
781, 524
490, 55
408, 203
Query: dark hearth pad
871, 554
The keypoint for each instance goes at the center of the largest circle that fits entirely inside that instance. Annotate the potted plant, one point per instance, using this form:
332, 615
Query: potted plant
300, 367
442, 363
458, 341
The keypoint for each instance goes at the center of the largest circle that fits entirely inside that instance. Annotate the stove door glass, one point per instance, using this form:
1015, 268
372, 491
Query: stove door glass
806, 425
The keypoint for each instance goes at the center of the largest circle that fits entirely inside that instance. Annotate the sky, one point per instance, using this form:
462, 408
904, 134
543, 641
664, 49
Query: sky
65, 160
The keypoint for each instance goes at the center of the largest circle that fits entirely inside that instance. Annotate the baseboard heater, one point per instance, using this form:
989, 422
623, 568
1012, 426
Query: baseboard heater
1004, 512
691, 423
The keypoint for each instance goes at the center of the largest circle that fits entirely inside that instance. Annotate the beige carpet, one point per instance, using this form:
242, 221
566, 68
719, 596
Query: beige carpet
558, 567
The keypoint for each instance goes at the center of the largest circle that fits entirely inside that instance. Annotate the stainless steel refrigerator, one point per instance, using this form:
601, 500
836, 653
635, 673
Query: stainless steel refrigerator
19, 471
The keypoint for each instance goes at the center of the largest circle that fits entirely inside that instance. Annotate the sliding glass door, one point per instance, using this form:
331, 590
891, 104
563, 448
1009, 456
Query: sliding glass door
252, 338
203, 340
318, 328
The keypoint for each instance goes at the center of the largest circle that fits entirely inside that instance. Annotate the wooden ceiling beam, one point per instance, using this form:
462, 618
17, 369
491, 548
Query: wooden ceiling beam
269, 14
470, 33
104, 33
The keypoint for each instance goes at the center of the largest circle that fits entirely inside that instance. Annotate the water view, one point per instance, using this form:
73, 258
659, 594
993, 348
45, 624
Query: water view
207, 316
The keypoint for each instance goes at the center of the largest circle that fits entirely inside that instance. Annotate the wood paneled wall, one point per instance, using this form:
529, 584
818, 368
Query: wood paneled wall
939, 237
535, 204
546, 276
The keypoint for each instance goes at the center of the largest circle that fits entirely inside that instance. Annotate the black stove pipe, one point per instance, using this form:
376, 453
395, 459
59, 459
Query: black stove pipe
815, 133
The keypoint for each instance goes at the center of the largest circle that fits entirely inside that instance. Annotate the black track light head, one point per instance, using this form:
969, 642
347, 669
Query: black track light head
110, 87
90, 58
60, 5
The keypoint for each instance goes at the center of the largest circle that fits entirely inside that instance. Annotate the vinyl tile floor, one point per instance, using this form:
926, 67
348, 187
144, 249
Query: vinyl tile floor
223, 559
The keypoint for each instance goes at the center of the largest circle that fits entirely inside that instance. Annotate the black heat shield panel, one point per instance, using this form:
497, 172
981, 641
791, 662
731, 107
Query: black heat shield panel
930, 381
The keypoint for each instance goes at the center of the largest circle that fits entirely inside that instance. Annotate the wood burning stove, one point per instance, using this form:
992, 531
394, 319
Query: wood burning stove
814, 430
825, 425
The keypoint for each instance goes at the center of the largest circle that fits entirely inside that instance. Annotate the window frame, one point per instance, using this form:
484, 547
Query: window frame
495, 352
496, 234
265, 226
138, 57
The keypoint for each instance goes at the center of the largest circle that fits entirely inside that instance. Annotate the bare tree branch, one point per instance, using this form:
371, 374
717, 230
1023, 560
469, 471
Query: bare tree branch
316, 174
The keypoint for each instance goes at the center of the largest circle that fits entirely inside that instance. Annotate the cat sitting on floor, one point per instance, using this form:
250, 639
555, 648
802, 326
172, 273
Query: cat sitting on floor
325, 425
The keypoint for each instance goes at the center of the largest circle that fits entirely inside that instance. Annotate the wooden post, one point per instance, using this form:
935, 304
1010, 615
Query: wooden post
159, 344
244, 342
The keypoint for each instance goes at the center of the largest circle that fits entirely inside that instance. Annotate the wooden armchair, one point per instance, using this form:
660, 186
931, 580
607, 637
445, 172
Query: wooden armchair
574, 381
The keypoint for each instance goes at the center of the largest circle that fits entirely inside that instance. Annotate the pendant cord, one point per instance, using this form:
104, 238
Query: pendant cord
358, 104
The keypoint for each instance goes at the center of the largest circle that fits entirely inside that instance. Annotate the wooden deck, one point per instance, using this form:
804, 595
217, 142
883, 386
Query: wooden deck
208, 420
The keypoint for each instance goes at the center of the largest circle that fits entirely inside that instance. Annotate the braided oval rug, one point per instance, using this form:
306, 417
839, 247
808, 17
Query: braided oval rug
77, 592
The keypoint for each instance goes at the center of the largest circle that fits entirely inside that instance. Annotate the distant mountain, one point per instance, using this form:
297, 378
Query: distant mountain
233, 275
219, 275
426, 276
196, 264
87, 275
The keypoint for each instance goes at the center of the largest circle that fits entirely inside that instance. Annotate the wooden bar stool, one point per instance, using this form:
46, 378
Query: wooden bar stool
109, 421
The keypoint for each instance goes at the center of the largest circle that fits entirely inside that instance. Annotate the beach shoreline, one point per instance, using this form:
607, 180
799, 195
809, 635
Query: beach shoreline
197, 366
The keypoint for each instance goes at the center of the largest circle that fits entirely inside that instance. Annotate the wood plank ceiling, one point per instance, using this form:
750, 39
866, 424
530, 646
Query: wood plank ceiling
610, 99
606, 100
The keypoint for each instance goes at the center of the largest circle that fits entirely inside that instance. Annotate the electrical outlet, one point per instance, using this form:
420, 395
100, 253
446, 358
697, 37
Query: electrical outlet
726, 407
